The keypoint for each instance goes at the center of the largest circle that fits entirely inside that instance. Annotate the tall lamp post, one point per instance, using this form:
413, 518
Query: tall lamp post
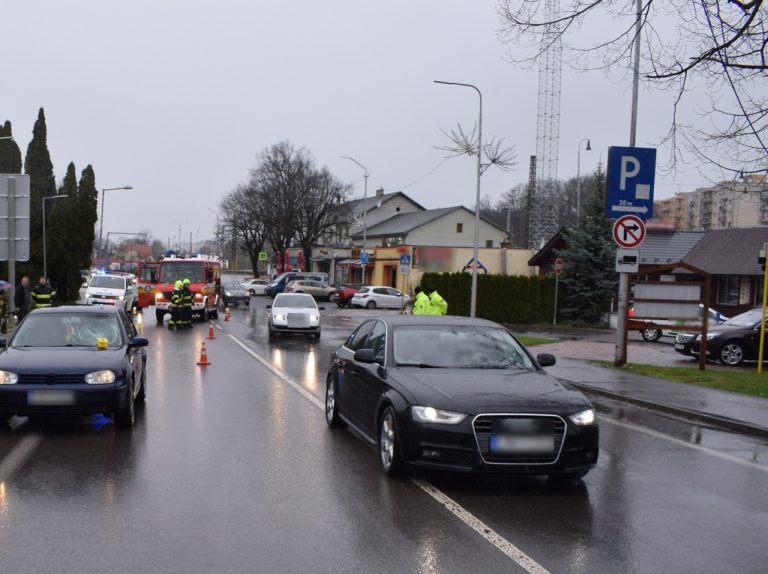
218, 246
45, 245
476, 239
101, 218
365, 198
180, 223
578, 179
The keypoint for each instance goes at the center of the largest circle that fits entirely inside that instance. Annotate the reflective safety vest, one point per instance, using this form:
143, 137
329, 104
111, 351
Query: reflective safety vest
438, 305
42, 296
187, 297
177, 298
421, 304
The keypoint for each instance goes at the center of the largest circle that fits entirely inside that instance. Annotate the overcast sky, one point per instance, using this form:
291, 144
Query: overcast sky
178, 97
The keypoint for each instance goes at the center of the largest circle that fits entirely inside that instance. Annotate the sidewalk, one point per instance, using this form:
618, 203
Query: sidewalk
736, 412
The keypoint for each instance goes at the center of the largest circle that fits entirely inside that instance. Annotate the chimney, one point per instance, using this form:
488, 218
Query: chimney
379, 191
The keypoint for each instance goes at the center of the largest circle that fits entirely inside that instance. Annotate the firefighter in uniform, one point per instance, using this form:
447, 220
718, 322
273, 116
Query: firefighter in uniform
42, 295
186, 312
177, 301
421, 302
438, 305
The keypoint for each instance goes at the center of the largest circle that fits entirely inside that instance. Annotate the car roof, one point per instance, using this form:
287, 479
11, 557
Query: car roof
443, 320
294, 295
78, 309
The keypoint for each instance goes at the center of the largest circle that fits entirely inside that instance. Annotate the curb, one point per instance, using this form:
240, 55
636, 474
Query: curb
725, 422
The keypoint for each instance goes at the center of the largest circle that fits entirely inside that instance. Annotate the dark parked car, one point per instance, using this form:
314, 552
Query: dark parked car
459, 394
733, 342
233, 292
344, 293
74, 359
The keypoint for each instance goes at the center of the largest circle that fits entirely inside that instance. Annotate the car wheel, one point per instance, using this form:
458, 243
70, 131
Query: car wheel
651, 335
389, 449
370, 305
732, 353
340, 304
142, 396
125, 417
159, 316
331, 407
251, 292
204, 314
272, 333
316, 335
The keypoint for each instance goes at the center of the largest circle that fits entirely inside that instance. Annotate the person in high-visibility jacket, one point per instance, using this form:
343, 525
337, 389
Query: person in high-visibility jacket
421, 305
177, 302
437, 305
42, 295
186, 311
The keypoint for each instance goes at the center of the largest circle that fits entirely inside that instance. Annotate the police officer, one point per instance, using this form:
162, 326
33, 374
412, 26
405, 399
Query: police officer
42, 295
186, 312
437, 305
177, 301
421, 305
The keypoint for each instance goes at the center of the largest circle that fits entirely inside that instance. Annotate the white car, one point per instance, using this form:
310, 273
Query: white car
109, 289
255, 286
294, 313
373, 296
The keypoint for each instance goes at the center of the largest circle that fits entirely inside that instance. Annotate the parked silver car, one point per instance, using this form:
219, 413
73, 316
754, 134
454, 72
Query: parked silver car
374, 296
255, 286
320, 291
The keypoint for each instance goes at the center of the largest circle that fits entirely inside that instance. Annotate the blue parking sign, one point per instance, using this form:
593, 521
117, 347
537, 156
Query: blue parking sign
630, 181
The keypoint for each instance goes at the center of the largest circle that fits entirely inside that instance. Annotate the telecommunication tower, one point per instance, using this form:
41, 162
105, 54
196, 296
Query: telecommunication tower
543, 214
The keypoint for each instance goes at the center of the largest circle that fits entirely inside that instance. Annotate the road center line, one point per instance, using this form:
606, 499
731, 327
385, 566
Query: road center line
510, 550
18, 455
681, 442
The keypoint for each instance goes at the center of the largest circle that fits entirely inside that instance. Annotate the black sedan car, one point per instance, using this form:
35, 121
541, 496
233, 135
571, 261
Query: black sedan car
460, 394
733, 342
73, 359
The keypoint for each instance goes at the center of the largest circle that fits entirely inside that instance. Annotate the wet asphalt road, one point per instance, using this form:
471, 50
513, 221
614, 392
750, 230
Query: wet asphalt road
232, 469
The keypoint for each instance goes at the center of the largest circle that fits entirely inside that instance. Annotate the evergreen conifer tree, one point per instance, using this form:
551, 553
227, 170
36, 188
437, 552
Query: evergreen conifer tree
87, 216
38, 165
589, 276
63, 237
10, 154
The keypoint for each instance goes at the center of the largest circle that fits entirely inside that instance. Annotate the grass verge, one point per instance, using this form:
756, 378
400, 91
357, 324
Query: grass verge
736, 381
529, 341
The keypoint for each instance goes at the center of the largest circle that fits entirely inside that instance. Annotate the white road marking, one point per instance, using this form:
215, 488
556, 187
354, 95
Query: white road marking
704, 449
219, 327
19, 454
510, 550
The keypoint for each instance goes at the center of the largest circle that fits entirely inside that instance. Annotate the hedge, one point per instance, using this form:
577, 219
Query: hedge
500, 298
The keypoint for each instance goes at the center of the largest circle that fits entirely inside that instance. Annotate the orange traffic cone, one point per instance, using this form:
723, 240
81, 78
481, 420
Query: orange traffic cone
203, 362
211, 334
227, 316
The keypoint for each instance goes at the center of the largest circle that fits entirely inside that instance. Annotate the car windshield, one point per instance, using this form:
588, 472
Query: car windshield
67, 330
458, 346
108, 282
295, 301
745, 319
232, 286
172, 271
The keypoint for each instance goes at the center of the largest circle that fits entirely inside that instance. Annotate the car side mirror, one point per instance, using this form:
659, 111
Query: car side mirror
546, 360
268, 306
365, 356
138, 342
321, 308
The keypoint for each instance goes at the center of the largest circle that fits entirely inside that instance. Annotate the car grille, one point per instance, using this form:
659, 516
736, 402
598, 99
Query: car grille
683, 337
483, 427
51, 379
298, 320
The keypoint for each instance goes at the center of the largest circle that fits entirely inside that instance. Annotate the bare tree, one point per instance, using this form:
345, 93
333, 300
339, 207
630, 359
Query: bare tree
242, 216
494, 150
713, 47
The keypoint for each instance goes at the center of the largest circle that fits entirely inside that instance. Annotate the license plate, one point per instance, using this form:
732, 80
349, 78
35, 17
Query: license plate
517, 444
679, 346
51, 398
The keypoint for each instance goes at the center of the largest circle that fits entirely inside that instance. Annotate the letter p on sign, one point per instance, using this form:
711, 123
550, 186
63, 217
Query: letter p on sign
627, 172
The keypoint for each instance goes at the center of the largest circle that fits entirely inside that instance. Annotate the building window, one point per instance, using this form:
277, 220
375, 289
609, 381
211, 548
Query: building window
489, 243
728, 289
459, 227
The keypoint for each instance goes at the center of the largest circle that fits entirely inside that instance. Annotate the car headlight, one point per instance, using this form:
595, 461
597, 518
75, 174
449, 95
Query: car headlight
100, 377
433, 415
121, 297
8, 378
279, 317
158, 295
583, 418
314, 318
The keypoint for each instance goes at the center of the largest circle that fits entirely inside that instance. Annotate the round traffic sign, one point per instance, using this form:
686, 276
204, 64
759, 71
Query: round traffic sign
558, 266
628, 231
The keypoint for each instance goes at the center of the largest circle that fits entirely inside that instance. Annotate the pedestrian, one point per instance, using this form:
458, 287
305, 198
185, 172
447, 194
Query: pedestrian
421, 305
43, 294
21, 298
177, 301
437, 305
186, 312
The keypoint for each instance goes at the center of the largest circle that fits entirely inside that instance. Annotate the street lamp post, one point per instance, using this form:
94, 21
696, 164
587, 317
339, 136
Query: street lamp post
218, 246
476, 239
365, 198
180, 223
101, 218
45, 245
578, 179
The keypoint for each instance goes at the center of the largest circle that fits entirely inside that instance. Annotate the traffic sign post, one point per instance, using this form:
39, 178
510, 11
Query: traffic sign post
630, 181
405, 264
628, 231
14, 223
558, 271
558, 266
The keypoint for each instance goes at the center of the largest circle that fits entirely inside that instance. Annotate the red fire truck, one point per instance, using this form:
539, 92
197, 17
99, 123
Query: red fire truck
147, 276
205, 283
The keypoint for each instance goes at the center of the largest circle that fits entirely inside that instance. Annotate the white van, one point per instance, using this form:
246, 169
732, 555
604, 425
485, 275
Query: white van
109, 289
